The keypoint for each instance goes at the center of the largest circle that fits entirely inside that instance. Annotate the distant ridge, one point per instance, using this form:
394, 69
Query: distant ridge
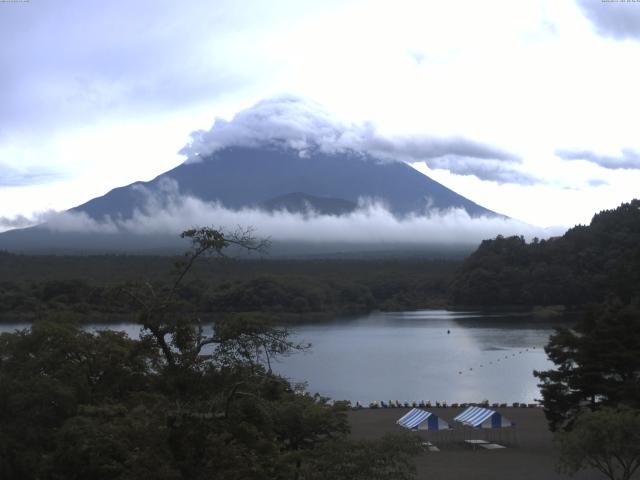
241, 177
267, 178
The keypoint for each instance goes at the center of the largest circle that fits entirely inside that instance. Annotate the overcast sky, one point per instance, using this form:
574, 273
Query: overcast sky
527, 108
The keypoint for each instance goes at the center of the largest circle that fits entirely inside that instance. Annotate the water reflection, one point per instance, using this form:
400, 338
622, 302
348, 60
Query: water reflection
430, 355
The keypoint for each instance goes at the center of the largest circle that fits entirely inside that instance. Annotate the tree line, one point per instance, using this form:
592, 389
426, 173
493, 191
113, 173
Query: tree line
92, 287
585, 265
591, 397
176, 403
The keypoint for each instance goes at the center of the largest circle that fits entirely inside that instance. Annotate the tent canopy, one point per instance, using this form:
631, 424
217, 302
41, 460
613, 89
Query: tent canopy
417, 419
483, 418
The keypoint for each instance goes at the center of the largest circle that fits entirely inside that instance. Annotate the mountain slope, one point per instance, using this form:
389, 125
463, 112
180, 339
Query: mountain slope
245, 177
298, 202
253, 179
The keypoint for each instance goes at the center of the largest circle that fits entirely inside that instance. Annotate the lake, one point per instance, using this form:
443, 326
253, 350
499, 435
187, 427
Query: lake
434, 355
411, 356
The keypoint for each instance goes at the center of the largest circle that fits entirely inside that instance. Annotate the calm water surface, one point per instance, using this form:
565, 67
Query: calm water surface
424, 355
410, 356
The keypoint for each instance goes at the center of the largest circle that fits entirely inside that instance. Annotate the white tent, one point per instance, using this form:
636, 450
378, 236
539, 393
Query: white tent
417, 419
479, 417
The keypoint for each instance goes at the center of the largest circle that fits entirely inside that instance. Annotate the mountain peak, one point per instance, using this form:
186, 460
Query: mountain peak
341, 197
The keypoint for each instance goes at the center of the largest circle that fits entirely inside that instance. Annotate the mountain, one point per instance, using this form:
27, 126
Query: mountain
266, 178
243, 177
298, 202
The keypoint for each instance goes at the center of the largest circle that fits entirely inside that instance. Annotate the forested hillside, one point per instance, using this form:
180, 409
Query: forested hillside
175, 403
92, 286
585, 265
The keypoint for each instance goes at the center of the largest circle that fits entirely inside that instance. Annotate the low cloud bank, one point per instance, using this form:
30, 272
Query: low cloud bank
628, 157
168, 212
23, 221
303, 125
19, 221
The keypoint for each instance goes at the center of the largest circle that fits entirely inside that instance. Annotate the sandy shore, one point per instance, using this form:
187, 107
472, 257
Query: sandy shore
530, 455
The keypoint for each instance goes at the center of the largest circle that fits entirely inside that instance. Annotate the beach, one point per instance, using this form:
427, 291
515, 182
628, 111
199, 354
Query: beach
530, 455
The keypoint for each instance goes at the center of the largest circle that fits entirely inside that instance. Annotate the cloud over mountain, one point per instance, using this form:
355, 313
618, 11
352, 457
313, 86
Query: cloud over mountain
628, 158
19, 221
303, 125
167, 211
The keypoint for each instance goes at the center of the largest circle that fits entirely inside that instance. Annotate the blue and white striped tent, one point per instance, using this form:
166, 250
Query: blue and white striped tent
480, 417
417, 419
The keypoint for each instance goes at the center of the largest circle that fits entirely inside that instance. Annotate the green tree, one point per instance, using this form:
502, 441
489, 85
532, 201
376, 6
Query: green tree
597, 364
47, 375
178, 403
607, 440
388, 458
585, 265
179, 336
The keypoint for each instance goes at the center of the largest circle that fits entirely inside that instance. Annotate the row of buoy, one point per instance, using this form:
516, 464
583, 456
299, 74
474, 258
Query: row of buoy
443, 404
497, 360
398, 404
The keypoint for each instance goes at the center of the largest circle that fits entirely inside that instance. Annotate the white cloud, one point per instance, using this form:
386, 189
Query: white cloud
80, 222
18, 221
167, 212
627, 159
303, 125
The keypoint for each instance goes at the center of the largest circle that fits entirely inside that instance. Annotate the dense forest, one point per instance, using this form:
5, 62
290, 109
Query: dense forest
92, 286
175, 403
591, 396
586, 265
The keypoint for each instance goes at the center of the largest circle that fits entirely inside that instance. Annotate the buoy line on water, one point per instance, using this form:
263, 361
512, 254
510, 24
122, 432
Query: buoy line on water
506, 357
439, 404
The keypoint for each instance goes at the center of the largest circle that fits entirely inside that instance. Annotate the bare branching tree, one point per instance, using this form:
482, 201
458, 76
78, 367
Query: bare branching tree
181, 339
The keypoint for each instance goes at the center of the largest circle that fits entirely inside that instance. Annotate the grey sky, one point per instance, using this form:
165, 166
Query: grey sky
96, 94
616, 19
72, 62
12, 177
